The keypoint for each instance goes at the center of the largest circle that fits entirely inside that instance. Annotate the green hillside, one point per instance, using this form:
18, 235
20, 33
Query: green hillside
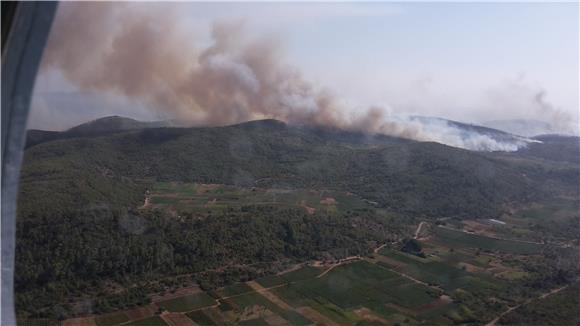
420, 178
84, 231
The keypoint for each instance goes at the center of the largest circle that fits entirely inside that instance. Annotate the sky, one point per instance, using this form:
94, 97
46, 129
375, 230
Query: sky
471, 62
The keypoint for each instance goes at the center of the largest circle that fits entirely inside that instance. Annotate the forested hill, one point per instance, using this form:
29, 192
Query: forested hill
427, 179
81, 234
98, 127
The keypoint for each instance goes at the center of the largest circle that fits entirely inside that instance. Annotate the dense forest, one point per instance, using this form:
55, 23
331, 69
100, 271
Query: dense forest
72, 254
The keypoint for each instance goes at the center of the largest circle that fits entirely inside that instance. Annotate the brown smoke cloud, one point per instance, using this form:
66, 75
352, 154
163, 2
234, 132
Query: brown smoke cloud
148, 53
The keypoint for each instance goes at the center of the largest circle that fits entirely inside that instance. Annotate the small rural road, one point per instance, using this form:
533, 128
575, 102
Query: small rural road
411, 278
341, 262
491, 237
543, 296
377, 249
418, 231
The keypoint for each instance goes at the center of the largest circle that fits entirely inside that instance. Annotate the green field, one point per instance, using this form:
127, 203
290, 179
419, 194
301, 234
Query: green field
235, 289
251, 299
200, 318
302, 274
355, 285
188, 303
203, 198
459, 239
338, 295
271, 280
441, 273
111, 319
254, 322
151, 321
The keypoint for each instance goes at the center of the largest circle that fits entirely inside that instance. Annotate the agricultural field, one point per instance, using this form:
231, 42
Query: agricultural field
187, 303
111, 319
551, 221
458, 278
178, 198
460, 239
350, 292
442, 270
151, 321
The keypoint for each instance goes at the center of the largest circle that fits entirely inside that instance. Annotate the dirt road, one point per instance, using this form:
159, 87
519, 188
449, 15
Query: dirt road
543, 296
341, 262
418, 231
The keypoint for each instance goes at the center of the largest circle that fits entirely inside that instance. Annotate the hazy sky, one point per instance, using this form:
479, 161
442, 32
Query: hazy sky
470, 62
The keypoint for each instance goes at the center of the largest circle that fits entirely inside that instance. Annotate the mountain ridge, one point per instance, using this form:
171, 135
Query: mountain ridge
115, 124
397, 173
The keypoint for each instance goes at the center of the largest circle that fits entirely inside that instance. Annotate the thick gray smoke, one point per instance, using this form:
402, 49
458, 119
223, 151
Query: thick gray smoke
152, 56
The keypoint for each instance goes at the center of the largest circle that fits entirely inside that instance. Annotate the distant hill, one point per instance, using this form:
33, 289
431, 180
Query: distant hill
554, 148
522, 127
102, 126
107, 164
113, 124
470, 129
463, 135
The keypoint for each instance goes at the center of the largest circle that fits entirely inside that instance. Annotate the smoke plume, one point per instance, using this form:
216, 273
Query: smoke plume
522, 98
153, 57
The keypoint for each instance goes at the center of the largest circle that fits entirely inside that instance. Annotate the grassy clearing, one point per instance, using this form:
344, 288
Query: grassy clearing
458, 239
188, 303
